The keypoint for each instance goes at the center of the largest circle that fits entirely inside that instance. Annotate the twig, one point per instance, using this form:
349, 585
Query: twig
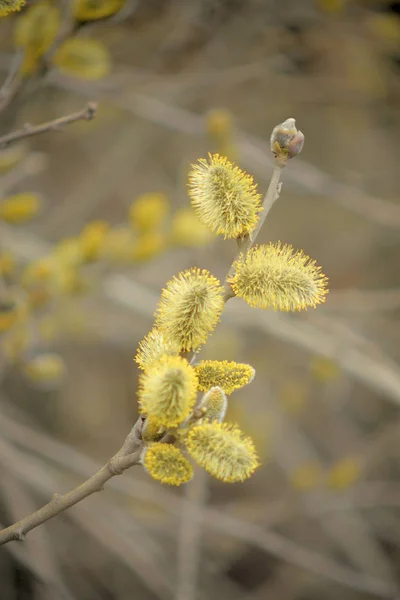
12, 82
87, 114
126, 457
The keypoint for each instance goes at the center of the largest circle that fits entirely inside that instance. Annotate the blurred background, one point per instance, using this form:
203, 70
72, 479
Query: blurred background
173, 81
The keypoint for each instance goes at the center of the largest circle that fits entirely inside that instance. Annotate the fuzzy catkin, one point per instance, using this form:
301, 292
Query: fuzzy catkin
278, 277
224, 197
190, 308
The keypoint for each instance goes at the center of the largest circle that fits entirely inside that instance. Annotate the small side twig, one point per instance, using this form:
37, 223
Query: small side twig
126, 457
86, 114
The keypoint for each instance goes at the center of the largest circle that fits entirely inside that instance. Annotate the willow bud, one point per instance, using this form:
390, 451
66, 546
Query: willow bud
286, 140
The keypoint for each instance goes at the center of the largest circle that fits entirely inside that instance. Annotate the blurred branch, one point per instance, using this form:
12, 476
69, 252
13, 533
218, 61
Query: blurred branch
37, 553
86, 114
190, 531
126, 457
12, 81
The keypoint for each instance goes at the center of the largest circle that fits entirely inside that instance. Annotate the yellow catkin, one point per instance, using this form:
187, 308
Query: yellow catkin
167, 464
189, 309
147, 246
306, 476
87, 10
229, 376
324, 369
224, 197
188, 231
46, 370
167, 391
9, 314
223, 451
36, 30
344, 473
84, 58
148, 212
213, 405
9, 6
153, 347
19, 208
92, 239
152, 431
278, 277
7, 264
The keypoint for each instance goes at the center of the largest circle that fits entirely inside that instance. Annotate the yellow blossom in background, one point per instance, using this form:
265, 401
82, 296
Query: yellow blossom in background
92, 239
167, 464
9, 313
35, 32
83, 58
147, 246
324, 369
223, 451
385, 28
16, 343
344, 473
153, 347
213, 405
149, 212
189, 308
48, 328
229, 376
306, 477
38, 272
9, 6
89, 10
19, 208
293, 396
188, 231
118, 244
333, 7
11, 156
219, 123
45, 370
224, 197
278, 277
167, 391
219, 126
7, 264
69, 251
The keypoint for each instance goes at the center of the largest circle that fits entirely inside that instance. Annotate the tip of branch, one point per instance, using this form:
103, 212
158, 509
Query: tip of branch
91, 110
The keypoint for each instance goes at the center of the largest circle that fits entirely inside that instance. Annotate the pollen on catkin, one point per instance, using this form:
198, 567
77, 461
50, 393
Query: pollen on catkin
167, 391
8, 6
223, 451
167, 464
214, 405
153, 347
224, 197
277, 276
229, 376
189, 309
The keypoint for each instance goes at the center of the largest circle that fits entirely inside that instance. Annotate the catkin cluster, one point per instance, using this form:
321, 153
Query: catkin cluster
181, 424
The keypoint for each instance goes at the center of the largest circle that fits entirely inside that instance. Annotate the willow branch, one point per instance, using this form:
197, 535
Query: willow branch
126, 457
87, 114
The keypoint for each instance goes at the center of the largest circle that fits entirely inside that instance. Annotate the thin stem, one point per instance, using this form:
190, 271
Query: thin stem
86, 114
246, 242
126, 457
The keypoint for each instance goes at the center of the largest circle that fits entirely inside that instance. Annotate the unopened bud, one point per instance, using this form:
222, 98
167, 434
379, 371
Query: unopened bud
286, 140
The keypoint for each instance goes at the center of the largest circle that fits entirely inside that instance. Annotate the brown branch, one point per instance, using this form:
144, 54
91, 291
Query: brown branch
87, 114
126, 457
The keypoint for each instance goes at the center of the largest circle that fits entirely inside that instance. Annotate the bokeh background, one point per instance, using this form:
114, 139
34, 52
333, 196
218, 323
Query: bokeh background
320, 518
